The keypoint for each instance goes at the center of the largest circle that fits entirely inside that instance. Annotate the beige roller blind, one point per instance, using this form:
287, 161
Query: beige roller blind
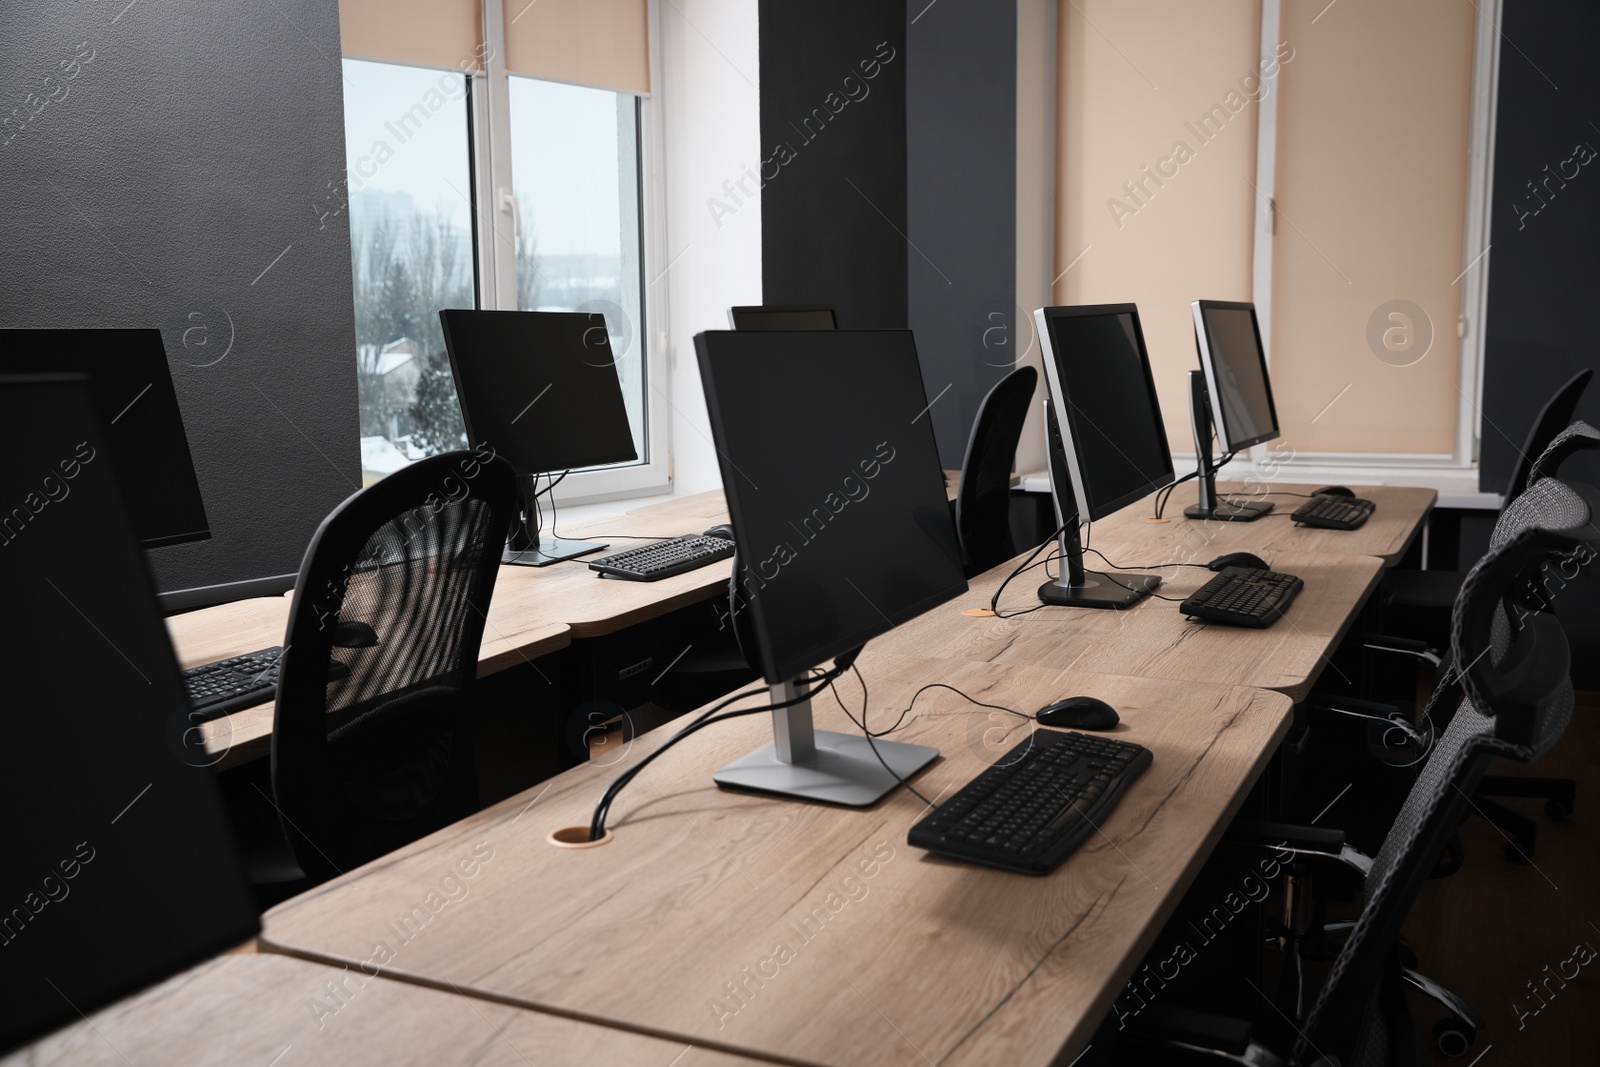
1373, 130
603, 43
1156, 149
427, 33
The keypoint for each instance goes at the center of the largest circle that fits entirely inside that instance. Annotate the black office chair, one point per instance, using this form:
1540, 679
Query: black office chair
1517, 704
395, 586
1436, 590
983, 497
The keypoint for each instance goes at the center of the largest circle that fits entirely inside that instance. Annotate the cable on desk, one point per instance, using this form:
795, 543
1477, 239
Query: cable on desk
1027, 564
1163, 495
872, 742
597, 824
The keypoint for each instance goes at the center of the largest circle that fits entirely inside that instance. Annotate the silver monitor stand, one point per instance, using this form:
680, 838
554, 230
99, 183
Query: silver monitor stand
822, 765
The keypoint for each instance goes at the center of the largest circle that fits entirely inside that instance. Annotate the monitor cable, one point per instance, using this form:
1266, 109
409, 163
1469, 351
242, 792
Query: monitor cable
597, 824
1026, 565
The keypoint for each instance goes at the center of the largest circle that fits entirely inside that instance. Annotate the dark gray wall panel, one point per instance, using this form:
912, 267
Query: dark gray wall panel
833, 202
203, 144
961, 178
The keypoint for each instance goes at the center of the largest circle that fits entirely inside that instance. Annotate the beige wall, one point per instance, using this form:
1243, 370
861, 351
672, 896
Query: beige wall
1135, 79
1373, 127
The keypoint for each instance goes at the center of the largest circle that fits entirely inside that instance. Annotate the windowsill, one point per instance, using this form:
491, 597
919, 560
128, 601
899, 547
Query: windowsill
1456, 488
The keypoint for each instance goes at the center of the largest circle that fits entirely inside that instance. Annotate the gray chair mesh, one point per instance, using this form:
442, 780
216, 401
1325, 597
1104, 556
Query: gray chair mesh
1575, 438
1548, 504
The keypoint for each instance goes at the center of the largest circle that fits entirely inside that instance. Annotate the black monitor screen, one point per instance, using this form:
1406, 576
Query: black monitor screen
834, 487
130, 385
540, 387
1105, 398
776, 317
119, 867
1236, 373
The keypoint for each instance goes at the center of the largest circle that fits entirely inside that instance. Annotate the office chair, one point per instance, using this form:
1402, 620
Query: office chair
395, 584
983, 497
1436, 590
1518, 700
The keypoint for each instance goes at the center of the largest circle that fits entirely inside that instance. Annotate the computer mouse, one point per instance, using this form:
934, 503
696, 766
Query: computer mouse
722, 530
1239, 559
1332, 490
1079, 713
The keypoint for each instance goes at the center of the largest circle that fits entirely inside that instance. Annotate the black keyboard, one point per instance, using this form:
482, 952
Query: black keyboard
663, 559
230, 685
221, 688
1036, 805
1243, 596
1334, 512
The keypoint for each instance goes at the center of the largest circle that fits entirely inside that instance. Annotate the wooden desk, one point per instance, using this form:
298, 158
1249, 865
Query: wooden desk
1400, 515
922, 960
1152, 639
261, 1010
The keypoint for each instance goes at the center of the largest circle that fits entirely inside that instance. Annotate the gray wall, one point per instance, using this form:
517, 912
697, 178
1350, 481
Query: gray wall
203, 141
961, 184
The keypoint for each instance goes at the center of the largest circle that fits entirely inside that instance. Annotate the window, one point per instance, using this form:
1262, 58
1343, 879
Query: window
406, 148
471, 186
575, 167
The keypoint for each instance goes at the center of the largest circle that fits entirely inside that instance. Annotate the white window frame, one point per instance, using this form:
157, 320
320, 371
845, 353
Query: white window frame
497, 223
1459, 465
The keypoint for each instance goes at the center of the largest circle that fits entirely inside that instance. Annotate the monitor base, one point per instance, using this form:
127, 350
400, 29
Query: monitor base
1227, 511
1100, 590
842, 770
550, 550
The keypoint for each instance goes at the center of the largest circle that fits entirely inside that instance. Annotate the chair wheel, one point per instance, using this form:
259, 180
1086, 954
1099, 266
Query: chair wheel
1516, 854
1557, 810
1452, 1037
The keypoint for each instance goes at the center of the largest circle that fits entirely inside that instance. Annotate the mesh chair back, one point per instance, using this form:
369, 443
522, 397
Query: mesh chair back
1518, 702
1556, 413
371, 746
1578, 437
983, 498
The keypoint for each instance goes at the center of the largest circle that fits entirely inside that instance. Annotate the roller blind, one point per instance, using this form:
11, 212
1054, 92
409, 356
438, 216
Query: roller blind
1373, 133
427, 33
601, 43
1154, 200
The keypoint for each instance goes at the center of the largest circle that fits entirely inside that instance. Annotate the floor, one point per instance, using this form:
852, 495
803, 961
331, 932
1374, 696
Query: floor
1522, 943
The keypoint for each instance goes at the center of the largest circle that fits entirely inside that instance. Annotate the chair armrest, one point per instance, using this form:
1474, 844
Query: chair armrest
1400, 646
1307, 842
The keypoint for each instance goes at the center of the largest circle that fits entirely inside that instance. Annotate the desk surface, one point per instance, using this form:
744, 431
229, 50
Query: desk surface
261, 1010
854, 948
1396, 521
1152, 639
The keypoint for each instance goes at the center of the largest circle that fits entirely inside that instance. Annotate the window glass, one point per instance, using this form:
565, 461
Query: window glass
410, 188
575, 168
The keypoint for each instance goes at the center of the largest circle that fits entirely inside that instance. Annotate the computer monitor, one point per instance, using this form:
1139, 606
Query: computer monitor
838, 504
130, 385
1106, 442
784, 317
120, 868
1232, 388
541, 389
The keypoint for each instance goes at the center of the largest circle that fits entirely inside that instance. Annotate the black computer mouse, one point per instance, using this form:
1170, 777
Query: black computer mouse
1239, 559
1079, 713
722, 530
1332, 490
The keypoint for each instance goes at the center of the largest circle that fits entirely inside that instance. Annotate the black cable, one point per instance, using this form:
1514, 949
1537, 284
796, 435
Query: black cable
1027, 564
597, 824
1163, 495
871, 738
1142, 566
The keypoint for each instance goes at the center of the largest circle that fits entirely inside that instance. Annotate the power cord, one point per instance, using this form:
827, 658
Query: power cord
1026, 565
1163, 495
597, 824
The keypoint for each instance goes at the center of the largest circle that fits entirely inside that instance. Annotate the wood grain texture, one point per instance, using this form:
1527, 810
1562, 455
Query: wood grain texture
1399, 516
1152, 639
267, 1005
888, 956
